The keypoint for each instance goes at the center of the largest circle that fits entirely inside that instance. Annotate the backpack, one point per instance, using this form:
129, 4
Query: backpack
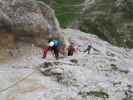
57, 42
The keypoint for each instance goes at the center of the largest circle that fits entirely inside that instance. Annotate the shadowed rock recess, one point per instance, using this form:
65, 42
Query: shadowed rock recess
26, 20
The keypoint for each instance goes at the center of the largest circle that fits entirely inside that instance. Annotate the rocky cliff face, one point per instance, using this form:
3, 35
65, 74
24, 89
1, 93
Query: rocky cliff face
27, 20
112, 20
105, 74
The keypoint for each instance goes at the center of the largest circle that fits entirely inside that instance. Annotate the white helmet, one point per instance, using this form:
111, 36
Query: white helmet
51, 44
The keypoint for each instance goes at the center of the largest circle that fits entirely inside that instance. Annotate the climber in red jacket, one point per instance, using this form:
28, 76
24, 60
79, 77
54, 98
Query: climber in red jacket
71, 49
54, 46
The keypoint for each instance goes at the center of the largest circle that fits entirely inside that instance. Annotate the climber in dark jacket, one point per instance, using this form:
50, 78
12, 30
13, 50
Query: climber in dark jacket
88, 49
54, 46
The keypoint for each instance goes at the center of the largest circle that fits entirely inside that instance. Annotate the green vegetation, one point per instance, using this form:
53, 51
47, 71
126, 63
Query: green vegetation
99, 94
110, 20
66, 10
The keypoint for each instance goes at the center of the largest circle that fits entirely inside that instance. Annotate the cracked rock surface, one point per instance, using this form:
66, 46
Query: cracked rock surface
105, 74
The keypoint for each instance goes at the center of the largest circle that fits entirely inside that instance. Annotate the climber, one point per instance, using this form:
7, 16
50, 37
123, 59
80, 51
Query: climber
54, 46
71, 49
88, 49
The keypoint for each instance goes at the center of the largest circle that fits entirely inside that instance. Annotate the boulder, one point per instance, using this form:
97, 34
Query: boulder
30, 20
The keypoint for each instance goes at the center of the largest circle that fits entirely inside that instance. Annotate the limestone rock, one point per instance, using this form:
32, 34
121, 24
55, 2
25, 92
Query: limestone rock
30, 20
105, 74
